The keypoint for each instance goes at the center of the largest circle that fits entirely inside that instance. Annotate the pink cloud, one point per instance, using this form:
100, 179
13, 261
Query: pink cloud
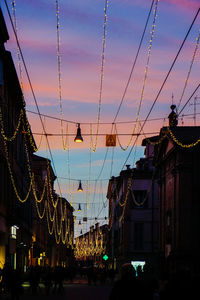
185, 4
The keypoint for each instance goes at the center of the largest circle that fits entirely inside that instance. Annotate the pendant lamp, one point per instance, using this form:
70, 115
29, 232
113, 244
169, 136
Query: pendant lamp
78, 138
79, 207
80, 189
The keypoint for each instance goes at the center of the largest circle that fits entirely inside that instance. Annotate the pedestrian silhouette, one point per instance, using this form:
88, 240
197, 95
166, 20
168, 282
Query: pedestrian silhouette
127, 285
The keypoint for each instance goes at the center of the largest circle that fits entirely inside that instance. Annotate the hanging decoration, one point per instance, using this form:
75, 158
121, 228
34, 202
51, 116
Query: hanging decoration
190, 69
59, 72
144, 80
94, 146
90, 244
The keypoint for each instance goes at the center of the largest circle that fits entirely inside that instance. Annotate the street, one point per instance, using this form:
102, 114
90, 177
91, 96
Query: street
74, 291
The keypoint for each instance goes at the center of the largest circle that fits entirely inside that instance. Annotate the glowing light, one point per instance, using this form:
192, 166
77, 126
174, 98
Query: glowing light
78, 138
80, 189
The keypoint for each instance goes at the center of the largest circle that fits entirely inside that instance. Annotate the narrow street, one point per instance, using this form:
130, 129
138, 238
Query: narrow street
79, 290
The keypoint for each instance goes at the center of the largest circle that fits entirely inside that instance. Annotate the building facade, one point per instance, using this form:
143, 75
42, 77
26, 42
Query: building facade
36, 224
178, 174
133, 212
15, 184
92, 245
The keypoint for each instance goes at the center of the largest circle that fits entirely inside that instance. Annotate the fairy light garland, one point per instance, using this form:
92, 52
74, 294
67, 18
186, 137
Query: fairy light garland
180, 143
12, 138
18, 51
90, 244
145, 78
41, 201
94, 146
58, 229
40, 215
22, 200
59, 71
189, 71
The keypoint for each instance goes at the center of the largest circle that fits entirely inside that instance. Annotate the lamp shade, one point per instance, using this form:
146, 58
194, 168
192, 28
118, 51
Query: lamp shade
78, 138
79, 207
80, 189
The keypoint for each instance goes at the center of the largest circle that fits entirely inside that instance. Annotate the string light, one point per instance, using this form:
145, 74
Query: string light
18, 51
94, 146
59, 71
145, 77
90, 244
27, 132
57, 229
190, 69
12, 138
180, 143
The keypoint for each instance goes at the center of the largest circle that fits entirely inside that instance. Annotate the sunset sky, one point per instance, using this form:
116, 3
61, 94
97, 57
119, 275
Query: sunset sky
81, 33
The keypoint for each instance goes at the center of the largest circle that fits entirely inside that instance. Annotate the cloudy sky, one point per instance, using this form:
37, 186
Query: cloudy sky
81, 33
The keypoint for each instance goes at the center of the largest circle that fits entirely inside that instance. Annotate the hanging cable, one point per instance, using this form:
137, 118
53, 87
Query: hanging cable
134, 62
161, 88
190, 69
31, 87
101, 73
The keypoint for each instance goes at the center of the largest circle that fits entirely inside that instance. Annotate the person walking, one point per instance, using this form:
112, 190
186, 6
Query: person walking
127, 285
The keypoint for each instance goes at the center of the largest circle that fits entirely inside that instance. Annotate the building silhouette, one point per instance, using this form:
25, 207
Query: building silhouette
133, 212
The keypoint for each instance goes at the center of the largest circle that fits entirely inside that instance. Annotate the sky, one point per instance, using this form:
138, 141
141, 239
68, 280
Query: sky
81, 34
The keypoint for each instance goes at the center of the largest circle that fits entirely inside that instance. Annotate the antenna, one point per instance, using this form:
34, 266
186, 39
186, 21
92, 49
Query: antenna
195, 107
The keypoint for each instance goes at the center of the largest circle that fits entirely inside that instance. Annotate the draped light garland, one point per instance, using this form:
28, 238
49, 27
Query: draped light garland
90, 244
180, 143
94, 145
190, 69
59, 72
56, 228
18, 52
12, 138
144, 80
42, 203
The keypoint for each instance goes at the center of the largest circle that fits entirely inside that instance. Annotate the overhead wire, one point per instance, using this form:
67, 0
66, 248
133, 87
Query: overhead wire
193, 93
128, 82
101, 72
129, 79
31, 87
161, 88
103, 123
134, 62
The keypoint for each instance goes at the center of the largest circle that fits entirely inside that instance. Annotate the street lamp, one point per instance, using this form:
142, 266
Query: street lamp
78, 138
80, 189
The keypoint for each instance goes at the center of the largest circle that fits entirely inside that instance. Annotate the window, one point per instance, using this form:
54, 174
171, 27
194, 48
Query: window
139, 236
13, 232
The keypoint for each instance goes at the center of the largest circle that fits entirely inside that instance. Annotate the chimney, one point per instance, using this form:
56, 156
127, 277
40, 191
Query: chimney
128, 167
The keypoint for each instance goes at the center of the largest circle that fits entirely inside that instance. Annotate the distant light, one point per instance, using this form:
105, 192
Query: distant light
135, 264
105, 257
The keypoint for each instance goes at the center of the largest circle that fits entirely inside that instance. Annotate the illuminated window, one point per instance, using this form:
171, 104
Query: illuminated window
13, 232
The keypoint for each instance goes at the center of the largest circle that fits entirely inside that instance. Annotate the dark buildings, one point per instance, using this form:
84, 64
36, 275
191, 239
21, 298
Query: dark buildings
15, 182
36, 224
92, 245
133, 212
178, 171
158, 220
